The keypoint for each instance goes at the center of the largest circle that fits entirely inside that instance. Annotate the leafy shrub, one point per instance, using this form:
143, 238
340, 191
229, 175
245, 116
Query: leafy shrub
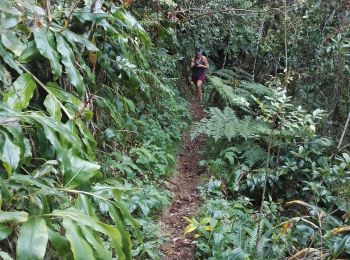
272, 147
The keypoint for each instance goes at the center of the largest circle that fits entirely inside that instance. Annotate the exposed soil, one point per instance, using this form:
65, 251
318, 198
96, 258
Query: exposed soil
186, 198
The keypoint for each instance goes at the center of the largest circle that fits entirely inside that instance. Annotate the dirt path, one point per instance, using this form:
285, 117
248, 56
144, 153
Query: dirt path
186, 198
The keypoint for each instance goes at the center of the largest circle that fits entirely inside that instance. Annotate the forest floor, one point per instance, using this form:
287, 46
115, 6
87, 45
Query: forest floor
185, 195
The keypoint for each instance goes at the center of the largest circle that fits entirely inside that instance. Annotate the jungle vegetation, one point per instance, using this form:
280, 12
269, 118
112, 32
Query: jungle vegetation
94, 101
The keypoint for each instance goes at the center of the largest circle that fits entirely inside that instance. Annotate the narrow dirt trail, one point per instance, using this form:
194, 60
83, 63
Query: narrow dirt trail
186, 198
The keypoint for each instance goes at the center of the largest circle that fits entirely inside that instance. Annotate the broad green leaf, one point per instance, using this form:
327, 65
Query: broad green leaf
12, 42
68, 59
62, 95
29, 53
13, 216
80, 248
10, 18
61, 153
70, 36
30, 181
41, 37
5, 256
130, 104
84, 204
118, 219
340, 245
5, 231
58, 127
131, 23
60, 244
95, 242
89, 16
32, 240
9, 153
22, 92
96, 225
46, 168
87, 137
53, 107
81, 171
8, 59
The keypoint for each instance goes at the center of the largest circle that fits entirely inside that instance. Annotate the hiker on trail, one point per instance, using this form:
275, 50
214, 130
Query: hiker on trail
199, 64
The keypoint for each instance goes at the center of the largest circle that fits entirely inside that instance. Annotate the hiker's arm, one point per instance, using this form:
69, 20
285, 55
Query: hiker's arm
206, 64
192, 62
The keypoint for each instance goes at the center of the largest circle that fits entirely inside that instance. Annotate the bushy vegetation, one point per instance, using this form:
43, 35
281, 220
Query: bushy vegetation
92, 112
277, 160
90, 123
274, 187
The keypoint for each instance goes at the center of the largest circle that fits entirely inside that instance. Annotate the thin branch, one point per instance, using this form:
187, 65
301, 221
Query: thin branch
344, 131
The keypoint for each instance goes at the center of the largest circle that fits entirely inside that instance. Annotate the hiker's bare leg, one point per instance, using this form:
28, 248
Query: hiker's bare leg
199, 90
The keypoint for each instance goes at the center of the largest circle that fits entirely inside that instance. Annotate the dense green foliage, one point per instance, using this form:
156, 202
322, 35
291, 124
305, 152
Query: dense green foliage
91, 117
274, 189
89, 124
278, 168
302, 44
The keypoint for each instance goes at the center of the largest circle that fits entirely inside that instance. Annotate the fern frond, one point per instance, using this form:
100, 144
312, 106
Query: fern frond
254, 155
225, 124
227, 75
243, 74
251, 240
236, 92
256, 88
227, 94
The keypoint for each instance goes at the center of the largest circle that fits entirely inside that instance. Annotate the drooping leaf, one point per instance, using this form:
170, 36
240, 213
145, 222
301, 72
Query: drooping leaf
5, 231
41, 37
29, 53
81, 171
60, 244
11, 16
101, 251
132, 24
5, 256
13, 216
62, 95
22, 92
11, 41
340, 245
67, 57
70, 36
80, 248
118, 219
96, 225
9, 153
32, 240
53, 107
8, 59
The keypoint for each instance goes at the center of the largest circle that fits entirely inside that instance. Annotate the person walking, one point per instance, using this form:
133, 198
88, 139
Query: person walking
199, 65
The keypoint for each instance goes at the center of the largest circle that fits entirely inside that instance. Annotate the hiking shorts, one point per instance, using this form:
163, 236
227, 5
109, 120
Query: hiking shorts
199, 77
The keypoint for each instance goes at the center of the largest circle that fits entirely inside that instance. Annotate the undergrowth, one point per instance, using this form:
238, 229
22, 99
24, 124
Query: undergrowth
260, 141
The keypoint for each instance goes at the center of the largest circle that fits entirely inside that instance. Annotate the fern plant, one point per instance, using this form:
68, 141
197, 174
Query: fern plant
234, 91
225, 124
229, 230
